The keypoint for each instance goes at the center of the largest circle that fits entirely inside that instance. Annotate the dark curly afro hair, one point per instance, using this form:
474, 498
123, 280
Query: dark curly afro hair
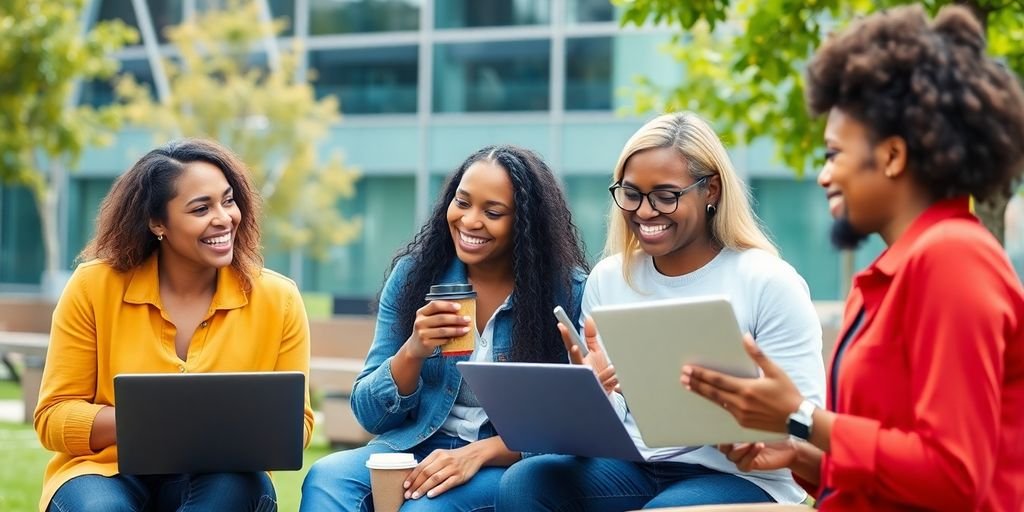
960, 112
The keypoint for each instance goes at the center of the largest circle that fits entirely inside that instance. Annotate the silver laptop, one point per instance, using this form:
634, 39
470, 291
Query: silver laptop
209, 422
549, 408
648, 343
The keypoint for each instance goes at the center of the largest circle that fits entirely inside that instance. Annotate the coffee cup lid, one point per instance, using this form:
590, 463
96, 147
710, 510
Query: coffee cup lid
451, 291
391, 461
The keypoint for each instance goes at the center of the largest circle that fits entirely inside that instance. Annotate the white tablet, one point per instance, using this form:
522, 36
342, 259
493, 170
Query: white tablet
648, 343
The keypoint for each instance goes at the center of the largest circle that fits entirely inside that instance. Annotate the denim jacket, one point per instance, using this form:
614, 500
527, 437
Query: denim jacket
402, 422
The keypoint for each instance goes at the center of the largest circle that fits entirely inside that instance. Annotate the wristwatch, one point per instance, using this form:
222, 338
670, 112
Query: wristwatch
801, 421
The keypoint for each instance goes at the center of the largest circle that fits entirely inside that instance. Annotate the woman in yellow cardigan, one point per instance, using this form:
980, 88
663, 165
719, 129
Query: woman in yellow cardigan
172, 282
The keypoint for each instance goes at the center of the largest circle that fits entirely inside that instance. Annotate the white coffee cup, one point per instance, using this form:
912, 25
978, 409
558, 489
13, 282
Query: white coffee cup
388, 472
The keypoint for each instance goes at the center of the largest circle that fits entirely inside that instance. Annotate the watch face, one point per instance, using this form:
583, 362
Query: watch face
798, 429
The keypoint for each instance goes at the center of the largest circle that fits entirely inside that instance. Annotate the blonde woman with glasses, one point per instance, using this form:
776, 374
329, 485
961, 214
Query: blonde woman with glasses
680, 226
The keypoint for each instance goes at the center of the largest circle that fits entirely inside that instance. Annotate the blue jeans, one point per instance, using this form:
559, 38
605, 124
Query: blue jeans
341, 482
565, 483
159, 493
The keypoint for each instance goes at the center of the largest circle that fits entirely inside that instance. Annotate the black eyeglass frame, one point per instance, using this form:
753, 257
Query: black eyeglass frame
650, 200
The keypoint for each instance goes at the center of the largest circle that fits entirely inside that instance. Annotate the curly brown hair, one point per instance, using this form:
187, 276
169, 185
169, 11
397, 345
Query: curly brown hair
123, 238
960, 112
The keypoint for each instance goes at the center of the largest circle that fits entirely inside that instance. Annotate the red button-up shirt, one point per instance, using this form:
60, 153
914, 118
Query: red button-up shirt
930, 390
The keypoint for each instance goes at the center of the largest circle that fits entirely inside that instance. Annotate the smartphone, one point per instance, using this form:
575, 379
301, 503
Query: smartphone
574, 332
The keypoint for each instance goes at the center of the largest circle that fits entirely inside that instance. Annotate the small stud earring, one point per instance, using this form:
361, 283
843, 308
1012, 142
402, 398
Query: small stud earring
711, 209
159, 238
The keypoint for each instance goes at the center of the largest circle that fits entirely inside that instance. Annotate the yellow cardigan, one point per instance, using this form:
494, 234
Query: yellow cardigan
107, 323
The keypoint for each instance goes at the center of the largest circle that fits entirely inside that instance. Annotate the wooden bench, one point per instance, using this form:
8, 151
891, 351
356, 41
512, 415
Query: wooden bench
338, 347
30, 347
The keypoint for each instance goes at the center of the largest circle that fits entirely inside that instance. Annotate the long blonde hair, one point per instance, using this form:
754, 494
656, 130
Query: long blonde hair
733, 226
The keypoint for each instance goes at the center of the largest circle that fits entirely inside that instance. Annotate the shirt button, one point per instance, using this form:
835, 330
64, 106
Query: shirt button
205, 323
483, 342
182, 368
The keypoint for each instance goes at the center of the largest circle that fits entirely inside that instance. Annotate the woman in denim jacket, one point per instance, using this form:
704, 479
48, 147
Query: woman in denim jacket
501, 224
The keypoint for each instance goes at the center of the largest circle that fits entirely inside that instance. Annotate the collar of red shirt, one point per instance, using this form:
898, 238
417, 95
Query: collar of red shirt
894, 257
144, 287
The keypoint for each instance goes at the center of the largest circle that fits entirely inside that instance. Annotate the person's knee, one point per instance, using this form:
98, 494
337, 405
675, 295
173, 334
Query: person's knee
339, 481
317, 477
334, 470
95, 492
523, 486
247, 491
91, 501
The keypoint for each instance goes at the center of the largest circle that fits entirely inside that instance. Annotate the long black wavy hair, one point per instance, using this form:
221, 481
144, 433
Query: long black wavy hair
546, 253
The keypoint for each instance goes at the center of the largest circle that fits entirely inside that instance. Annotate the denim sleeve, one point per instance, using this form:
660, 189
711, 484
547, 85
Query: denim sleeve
376, 403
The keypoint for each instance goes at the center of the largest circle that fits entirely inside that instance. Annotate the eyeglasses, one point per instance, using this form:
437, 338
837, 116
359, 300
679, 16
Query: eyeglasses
663, 201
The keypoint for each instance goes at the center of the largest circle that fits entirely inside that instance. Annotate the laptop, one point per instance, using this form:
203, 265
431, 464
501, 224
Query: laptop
549, 408
209, 422
648, 343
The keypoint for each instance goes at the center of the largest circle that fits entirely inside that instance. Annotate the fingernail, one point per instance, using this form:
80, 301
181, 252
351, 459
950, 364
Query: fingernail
415, 495
430, 494
467, 318
465, 329
687, 370
457, 306
407, 495
405, 485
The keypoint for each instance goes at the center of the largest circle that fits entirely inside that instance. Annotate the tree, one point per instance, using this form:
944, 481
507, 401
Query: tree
267, 113
747, 76
44, 54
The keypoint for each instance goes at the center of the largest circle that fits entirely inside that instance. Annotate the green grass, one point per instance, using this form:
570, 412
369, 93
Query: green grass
9, 390
21, 475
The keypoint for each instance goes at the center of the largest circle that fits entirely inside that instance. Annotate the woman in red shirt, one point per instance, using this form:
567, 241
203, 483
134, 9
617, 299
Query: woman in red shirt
925, 404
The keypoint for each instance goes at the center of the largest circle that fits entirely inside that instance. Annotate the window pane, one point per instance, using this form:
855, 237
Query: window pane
284, 10
597, 67
588, 70
385, 204
491, 13
798, 221
84, 203
280, 10
368, 81
117, 10
588, 11
341, 17
589, 201
499, 76
165, 13
21, 241
101, 92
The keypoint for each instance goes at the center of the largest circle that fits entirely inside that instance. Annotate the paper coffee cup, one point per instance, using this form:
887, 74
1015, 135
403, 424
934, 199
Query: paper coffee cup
463, 294
388, 472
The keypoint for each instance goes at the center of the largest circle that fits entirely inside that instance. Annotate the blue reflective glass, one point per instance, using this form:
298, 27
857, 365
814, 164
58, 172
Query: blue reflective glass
588, 73
368, 81
352, 16
493, 76
491, 13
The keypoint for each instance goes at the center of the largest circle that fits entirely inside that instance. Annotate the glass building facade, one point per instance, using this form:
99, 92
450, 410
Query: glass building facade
422, 84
